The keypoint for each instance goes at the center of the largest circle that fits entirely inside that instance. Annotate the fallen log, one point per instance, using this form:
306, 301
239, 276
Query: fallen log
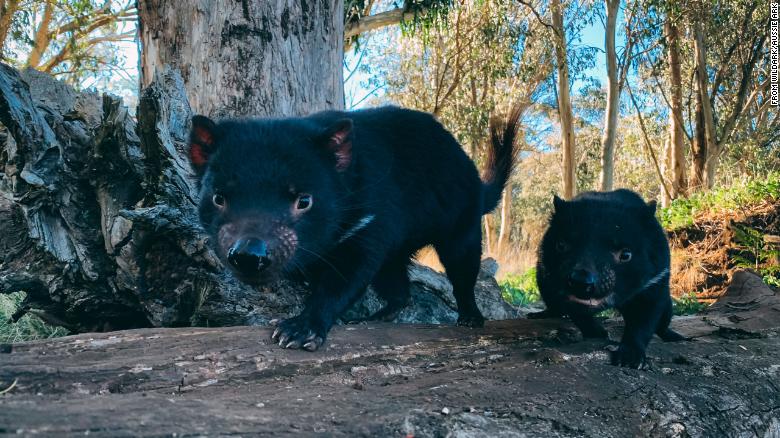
512, 378
99, 227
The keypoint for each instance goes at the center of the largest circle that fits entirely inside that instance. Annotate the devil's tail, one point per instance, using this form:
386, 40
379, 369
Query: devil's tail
502, 153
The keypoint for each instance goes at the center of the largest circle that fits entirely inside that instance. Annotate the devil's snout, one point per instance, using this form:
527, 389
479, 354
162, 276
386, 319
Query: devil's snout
249, 256
583, 277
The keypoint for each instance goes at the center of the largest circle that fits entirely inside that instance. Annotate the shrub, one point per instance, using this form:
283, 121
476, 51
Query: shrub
682, 211
520, 290
27, 328
687, 304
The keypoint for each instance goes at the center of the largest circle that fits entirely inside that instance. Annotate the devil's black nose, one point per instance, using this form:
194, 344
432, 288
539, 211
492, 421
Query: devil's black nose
583, 277
249, 256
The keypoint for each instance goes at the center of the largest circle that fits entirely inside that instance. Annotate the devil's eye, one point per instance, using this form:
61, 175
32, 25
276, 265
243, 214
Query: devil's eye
562, 246
304, 202
218, 200
624, 255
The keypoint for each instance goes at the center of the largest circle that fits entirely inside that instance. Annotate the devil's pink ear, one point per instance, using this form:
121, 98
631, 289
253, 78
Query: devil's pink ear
201, 142
338, 138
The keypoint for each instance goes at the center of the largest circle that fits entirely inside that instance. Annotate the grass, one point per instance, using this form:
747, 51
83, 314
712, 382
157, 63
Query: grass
520, 290
687, 305
27, 328
682, 212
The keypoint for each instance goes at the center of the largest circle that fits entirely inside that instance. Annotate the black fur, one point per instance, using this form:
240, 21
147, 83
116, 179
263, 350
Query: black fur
398, 167
580, 271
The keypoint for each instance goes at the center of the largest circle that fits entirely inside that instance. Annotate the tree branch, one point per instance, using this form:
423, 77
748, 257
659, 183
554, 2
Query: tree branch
42, 37
66, 50
538, 16
377, 21
739, 105
648, 144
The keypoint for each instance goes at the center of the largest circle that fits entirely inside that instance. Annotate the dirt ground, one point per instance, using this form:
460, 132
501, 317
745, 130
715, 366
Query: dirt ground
512, 378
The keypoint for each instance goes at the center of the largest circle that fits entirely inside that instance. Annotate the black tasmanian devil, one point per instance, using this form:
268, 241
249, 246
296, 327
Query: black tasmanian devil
347, 198
607, 250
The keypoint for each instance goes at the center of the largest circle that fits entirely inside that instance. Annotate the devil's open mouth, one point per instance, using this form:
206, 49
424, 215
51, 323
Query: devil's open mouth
592, 303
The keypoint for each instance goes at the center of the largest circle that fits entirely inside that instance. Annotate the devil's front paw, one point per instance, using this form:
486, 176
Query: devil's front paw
542, 314
302, 331
626, 355
473, 321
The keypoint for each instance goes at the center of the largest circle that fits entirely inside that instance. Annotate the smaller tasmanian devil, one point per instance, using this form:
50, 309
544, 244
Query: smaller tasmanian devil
347, 198
607, 250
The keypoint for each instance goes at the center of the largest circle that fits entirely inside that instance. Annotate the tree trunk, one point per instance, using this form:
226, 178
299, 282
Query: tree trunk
506, 220
488, 222
42, 39
698, 150
711, 151
513, 378
676, 134
250, 57
564, 101
606, 178
665, 165
7, 10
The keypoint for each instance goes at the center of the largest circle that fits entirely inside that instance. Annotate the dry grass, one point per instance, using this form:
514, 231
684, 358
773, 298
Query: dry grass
513, 260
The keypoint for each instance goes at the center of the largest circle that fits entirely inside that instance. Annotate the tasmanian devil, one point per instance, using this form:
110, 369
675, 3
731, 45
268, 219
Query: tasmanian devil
607, 250
347, 198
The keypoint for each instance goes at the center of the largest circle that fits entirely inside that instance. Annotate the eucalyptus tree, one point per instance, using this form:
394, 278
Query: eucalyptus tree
489, 55
71, 39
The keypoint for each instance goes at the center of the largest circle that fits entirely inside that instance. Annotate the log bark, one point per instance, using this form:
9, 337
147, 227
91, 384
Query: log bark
512, 378
251, 57
98, 223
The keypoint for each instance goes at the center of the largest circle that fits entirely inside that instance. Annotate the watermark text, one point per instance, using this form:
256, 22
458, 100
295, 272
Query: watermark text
774, 57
